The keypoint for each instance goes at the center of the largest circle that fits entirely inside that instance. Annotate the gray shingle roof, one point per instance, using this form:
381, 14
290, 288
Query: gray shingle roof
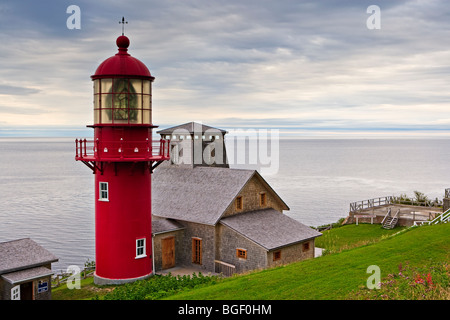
165, 225
23, 253
26, 275
270, 228
191, 127
200, 195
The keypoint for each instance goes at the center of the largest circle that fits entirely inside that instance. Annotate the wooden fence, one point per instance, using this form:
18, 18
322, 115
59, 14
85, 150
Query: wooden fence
370, 203
63, 276
224, 268
389, 200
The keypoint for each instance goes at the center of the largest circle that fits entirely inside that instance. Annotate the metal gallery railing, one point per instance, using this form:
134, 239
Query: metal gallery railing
121, 149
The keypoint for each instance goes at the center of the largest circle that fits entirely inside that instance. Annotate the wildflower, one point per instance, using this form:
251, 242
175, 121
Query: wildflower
429, 280
419, 279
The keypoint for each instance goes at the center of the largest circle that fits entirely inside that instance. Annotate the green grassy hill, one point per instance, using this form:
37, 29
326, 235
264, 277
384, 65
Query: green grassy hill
337, 275
333, 276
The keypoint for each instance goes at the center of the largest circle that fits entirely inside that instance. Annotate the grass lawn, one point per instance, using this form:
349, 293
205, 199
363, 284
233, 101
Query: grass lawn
88, 291
351, 249
351, 236
333, 276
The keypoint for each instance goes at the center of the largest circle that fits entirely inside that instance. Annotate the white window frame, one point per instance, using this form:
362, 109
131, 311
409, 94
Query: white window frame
141, 247
100, 191
15, 293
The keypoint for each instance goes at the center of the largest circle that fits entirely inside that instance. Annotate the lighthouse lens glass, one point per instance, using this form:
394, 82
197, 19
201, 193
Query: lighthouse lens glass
122, 100
106, 85
146, 89
137, 85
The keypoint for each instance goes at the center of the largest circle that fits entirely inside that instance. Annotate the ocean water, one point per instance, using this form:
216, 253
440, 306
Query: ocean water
49, 197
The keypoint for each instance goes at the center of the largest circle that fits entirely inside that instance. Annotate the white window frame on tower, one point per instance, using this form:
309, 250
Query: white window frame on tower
140, 248
103, 193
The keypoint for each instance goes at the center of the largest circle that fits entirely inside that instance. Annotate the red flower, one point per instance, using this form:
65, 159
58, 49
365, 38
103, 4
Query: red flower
429, 280
419, 279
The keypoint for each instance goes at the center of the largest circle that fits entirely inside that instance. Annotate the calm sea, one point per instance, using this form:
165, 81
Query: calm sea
47, 196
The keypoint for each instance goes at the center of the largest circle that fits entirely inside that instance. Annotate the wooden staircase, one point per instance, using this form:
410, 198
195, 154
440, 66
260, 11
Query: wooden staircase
390, 222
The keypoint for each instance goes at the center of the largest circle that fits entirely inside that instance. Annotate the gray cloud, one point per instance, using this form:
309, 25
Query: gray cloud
15, 90
20, 110
310, 62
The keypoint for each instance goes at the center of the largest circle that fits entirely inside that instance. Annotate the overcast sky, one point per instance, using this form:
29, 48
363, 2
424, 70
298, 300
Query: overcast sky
307, 68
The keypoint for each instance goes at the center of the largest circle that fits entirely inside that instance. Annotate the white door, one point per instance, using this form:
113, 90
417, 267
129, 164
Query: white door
15, 293
174, 155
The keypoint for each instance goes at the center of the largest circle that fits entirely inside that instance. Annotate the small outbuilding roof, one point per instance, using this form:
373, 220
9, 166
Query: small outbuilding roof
27, 275
22, 254
270, 228
200, 194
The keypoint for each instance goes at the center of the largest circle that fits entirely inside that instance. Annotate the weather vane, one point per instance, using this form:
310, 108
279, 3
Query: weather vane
123, 22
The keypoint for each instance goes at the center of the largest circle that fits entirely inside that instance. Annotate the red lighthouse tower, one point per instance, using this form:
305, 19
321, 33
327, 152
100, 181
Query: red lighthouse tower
122, 157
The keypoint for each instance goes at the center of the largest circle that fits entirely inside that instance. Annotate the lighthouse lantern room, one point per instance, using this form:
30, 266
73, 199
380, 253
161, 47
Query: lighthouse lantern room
122, 156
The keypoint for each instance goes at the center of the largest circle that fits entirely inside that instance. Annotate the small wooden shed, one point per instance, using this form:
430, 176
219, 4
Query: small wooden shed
25, 270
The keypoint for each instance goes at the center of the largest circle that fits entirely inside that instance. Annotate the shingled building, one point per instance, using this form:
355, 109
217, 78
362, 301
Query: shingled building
25, 270
217, 218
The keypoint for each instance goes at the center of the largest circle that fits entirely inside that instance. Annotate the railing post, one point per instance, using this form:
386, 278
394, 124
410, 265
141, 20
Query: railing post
85, 147
76, 148
164, 148
167, 145
121, 148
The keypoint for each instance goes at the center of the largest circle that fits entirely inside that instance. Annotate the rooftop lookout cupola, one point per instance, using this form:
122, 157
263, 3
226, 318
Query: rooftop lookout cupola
196, 145
122, 156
